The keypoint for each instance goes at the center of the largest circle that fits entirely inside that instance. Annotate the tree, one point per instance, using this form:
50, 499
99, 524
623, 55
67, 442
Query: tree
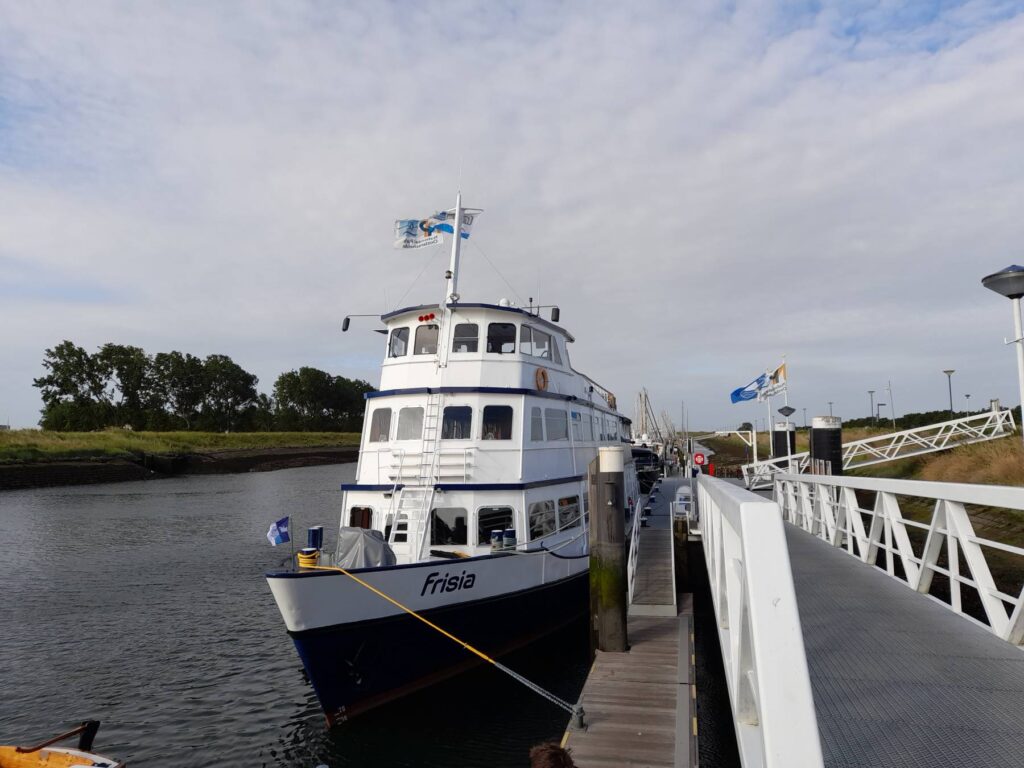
746, 426
127, 375
229, 390
71, 390
179, 385
314, 400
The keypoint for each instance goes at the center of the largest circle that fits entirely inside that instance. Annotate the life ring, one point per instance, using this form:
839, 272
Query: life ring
541, 377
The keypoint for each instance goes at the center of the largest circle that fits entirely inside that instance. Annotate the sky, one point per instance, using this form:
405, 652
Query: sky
703, 187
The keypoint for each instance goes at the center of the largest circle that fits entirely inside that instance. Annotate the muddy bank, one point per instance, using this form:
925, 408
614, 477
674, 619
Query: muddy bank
41, 474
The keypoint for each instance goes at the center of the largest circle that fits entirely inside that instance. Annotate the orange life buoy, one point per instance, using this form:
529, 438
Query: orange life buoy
541, 378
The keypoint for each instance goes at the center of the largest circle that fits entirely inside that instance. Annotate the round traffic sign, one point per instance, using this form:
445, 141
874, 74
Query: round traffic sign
698, 459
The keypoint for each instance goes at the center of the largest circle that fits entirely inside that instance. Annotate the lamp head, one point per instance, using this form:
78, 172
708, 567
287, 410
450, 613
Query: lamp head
1008, 282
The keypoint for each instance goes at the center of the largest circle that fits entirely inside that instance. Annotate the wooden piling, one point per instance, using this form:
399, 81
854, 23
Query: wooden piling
608, 600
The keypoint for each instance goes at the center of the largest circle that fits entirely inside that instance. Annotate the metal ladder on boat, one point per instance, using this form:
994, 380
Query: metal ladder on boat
415, 501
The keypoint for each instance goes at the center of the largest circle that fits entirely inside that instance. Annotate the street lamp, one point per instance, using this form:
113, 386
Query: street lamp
830, 408
1010, 283
871, 410
968, 398
805, 418
878, 412
949, 377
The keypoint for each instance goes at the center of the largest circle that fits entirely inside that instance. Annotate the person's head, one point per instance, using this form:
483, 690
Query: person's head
550, 755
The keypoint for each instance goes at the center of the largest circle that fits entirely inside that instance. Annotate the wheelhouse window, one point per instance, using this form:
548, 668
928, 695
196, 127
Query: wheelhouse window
577, 426
361, 517
536, 425
448, 525
588, 427
456, 422
492, 519
410, 423
380, 425
542, 519
556, 356
465, 337
399, 344
568, 512
497, 422
556, 423
535, 343
426, 340
501, 338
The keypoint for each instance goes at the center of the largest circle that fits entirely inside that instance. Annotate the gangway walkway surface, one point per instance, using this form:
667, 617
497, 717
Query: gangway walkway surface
900, 681
654, 593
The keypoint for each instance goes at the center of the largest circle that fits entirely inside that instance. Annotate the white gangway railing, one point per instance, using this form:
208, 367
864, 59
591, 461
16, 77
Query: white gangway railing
893, 445
758, 627
838, 510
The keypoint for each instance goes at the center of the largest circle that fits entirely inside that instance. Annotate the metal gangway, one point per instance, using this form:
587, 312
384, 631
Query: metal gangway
978, 428
847, 632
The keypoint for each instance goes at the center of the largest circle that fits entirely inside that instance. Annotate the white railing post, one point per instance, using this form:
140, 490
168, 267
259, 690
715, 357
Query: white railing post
759, 627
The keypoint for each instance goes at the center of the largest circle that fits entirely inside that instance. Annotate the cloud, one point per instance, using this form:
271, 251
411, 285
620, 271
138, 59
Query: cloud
701, 188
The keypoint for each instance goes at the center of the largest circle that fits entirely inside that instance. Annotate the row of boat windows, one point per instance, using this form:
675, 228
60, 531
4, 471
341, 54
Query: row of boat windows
546, 424
501, 340
450, 525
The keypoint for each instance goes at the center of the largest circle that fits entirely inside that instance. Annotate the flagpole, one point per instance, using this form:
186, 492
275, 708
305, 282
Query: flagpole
453, 267
292, 538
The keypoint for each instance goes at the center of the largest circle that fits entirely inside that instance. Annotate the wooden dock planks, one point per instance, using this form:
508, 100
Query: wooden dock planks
638, 704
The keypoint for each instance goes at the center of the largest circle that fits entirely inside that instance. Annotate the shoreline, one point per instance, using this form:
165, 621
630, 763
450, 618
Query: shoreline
151, 466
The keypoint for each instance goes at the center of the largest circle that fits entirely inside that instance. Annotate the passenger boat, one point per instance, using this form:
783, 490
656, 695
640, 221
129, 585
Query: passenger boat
470, 502
45, 755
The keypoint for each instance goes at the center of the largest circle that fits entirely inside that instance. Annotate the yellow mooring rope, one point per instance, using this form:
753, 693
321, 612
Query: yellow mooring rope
575, 710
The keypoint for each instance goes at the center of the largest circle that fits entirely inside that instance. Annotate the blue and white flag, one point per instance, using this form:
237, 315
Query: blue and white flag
447, 225
278, 533
418, 233
751, 391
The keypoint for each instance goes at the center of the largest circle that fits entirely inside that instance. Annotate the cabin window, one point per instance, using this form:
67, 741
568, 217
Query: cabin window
448, 525
501, 338
536, 425
541, 345
614, 426
526, 340
380, 425
588, 427
456, 423
410, 423
497, 422
568, 512
361, 517
554, 351
577, 427
399, 345
597, 427
426, 340
464, 339
492, 519
542, 519
556, 423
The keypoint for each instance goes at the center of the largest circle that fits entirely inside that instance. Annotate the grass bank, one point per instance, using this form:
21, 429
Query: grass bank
30, 445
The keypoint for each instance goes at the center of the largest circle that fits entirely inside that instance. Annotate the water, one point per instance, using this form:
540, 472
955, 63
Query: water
143, 605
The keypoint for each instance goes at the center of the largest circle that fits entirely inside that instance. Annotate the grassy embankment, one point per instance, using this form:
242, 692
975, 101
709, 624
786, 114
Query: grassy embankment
27, 445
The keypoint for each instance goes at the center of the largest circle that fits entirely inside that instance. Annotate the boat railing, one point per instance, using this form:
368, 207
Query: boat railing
634, 548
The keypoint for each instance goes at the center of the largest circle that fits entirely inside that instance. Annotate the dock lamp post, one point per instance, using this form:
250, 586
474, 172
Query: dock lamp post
1010, 283
949, 378
968, 399
830, 409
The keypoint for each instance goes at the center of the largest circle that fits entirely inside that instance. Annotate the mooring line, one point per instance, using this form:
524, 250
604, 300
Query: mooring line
573, 709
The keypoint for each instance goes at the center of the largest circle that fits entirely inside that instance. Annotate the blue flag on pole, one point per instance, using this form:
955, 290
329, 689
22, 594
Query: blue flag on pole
278, 533
750, 391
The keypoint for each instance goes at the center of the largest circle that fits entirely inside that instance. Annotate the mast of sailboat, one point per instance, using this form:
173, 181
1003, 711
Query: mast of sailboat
453, 266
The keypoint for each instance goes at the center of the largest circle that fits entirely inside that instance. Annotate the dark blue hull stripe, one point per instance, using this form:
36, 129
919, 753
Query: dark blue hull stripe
355, 667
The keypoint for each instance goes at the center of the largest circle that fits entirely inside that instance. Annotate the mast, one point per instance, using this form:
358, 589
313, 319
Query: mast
453, 267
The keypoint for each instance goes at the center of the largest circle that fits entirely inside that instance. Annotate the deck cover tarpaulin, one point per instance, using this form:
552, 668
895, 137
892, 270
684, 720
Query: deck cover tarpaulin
363, 548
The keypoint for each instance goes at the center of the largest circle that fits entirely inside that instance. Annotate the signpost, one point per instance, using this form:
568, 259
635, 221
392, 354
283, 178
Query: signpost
698, 459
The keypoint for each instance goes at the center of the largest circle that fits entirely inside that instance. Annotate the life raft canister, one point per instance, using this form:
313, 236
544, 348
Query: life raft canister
541, 377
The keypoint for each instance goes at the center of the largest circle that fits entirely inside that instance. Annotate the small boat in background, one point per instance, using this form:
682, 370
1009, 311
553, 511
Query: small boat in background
47, 756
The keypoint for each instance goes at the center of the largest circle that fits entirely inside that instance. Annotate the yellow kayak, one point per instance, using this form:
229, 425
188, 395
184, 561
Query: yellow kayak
45, 755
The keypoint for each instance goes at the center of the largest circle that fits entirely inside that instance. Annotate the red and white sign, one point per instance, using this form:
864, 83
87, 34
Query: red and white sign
698, 459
